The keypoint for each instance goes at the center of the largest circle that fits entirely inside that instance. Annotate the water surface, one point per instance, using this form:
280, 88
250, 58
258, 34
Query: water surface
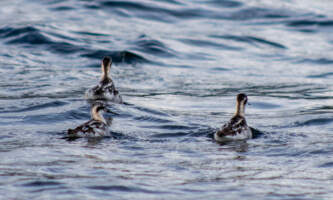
179, 65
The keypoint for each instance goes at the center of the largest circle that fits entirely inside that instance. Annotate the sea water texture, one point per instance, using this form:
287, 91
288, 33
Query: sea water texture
178, 66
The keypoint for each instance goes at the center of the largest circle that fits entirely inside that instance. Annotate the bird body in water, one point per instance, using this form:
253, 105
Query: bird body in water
236, 128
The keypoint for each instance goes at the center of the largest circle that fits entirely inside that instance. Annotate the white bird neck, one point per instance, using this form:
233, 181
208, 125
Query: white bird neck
105, 71
97, 115
240, 108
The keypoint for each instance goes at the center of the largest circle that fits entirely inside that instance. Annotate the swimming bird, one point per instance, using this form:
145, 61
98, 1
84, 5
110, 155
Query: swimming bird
96, 127
236, 128
105, 90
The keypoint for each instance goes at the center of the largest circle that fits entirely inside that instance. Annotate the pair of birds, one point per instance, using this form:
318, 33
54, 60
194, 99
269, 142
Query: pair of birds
98, 126
235, 129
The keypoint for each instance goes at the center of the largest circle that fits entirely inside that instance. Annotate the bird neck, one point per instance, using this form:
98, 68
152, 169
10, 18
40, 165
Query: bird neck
97, 115
105, 72
240, 109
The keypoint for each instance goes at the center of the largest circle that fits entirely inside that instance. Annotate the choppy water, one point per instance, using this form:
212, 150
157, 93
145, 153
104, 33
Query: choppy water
178, 65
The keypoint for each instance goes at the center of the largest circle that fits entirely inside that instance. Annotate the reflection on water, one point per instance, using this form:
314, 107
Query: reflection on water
179, 66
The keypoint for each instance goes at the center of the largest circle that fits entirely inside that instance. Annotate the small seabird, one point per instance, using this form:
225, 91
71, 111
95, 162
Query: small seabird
105, 90
236, 128
96, 127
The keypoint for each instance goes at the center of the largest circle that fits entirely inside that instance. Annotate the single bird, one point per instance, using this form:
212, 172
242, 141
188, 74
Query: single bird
236, 128
96, 127
105, 90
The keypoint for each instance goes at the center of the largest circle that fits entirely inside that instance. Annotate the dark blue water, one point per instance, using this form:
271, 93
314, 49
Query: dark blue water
178, 65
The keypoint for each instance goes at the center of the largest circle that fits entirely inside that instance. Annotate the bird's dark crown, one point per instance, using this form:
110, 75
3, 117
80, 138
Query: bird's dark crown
107, 61
241, 97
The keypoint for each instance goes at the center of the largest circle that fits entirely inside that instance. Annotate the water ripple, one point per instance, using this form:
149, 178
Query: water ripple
250, 40
205, 43
315, 122
37, 107
42, 184
225, 3
258, 13
121, 188
305, 23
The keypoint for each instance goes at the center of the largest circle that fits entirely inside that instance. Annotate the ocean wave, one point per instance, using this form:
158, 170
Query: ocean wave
117, 56
171, 11
32, 36
151, 46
